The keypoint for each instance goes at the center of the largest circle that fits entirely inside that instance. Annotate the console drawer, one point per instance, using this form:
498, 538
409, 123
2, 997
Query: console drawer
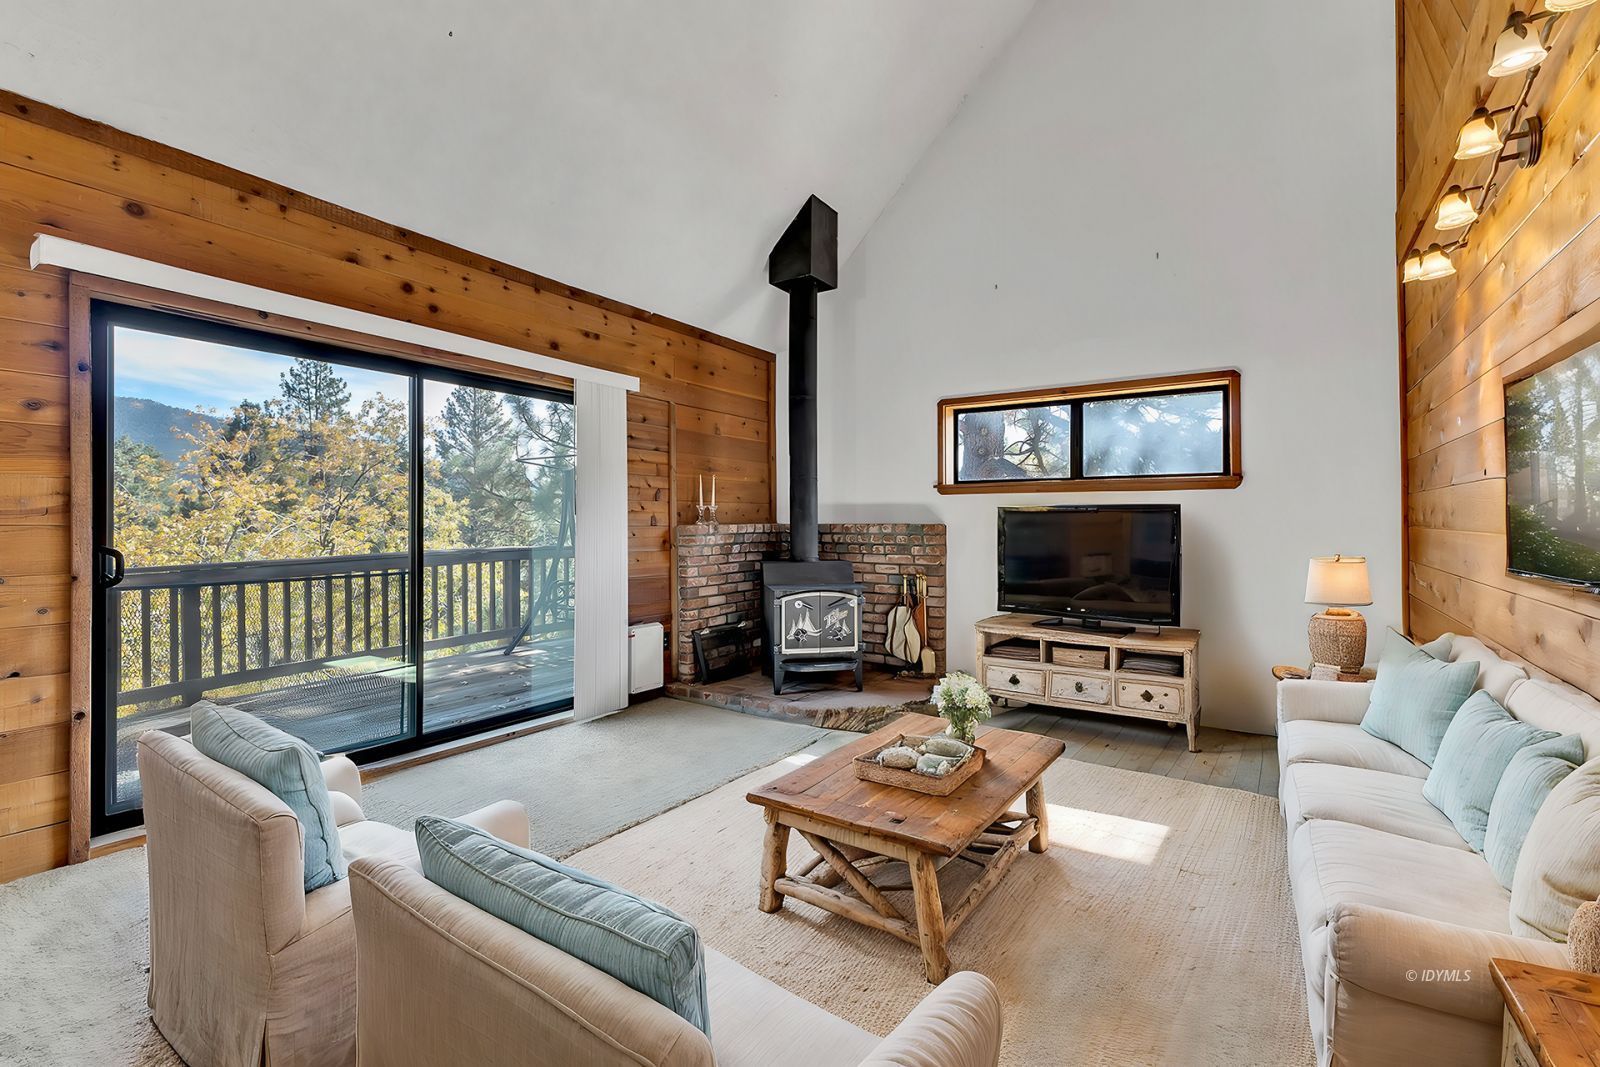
1084, 688
1144, 696
1014, 680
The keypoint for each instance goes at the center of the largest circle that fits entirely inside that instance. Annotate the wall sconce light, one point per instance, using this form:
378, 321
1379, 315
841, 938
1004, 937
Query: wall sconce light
1519, 47
1565, 5
1479, 135
1455, 209
1431, 263
1436, 262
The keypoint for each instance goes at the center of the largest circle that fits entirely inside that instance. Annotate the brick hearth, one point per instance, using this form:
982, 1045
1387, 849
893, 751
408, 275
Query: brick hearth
719, 577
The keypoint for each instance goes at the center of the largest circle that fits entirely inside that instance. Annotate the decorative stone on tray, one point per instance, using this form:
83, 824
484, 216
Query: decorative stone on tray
946, 746
937, 766
901, 756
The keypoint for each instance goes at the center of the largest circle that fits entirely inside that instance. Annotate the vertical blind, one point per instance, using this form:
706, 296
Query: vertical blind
600, 646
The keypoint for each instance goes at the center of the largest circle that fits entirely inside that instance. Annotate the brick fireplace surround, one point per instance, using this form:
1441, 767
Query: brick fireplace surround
719, 577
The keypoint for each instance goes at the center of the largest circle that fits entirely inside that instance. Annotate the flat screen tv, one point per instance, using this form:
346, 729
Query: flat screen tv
1552, 430
1092, 564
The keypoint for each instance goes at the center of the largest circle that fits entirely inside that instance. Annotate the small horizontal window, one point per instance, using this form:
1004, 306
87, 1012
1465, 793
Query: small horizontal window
1161, 433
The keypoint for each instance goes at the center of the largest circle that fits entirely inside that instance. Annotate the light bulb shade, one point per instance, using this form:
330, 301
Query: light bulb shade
1455, 210
1411, 270
1566, 5
1479, 136
1516, 49
1435, 264
1338, 581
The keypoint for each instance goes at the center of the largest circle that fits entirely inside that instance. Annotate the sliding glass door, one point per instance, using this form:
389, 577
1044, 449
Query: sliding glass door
497, 553
267, 507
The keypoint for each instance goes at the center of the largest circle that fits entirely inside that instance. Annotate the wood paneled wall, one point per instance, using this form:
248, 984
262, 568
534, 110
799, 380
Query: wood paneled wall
705, 403
1524, 288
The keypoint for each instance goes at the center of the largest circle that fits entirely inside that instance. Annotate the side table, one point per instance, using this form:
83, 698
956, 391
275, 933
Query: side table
1552, 1016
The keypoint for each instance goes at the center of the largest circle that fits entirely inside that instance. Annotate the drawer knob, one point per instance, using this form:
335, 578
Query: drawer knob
1147, 695
1015, 680
1078, 686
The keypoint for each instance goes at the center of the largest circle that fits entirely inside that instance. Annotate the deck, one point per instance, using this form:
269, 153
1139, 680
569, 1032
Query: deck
361, 709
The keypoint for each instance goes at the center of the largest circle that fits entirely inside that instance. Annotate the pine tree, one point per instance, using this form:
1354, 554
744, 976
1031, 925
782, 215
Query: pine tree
478, 466
313, 392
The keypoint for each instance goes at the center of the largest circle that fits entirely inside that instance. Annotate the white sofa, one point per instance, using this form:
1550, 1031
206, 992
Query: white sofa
1398, 916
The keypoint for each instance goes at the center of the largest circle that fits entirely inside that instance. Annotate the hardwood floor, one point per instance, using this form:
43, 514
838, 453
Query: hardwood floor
1233, 760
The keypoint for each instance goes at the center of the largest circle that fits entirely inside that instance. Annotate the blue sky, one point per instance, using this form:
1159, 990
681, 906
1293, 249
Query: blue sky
211, 377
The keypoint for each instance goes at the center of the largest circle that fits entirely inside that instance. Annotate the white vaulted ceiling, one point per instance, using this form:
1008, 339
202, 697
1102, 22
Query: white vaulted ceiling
647, 150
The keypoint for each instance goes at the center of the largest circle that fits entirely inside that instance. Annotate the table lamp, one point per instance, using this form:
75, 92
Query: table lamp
1338, 635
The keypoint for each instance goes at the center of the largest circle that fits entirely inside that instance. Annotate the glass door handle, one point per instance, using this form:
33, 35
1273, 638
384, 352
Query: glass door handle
112, 567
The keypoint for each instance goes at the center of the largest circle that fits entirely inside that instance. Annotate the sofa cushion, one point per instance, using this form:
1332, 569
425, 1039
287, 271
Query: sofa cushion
1473, 755
1559, 867
1345, 744
1496, 675
1415, 696
283, 764
1529, 778
1552, 705
1392, 803
761, 1024
1333, 864
636, 941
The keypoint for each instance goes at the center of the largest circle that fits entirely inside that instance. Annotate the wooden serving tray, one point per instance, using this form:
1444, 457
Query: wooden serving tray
868, 769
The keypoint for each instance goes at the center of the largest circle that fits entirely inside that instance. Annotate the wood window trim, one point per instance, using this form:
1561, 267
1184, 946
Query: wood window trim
1228, 381
82, 291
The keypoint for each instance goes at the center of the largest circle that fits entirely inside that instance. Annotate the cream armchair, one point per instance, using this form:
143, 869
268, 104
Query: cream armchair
245, 966
444, 982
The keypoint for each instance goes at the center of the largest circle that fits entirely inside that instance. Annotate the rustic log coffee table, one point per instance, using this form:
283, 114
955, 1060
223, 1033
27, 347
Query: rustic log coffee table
855, 827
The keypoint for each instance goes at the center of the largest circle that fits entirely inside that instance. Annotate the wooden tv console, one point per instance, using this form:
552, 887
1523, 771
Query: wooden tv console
1078, 668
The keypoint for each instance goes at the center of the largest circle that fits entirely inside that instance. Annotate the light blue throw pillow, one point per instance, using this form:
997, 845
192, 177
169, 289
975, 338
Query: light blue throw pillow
1415, 697
636, 941
1439, 647
1530, 776
284, 764
1479, 745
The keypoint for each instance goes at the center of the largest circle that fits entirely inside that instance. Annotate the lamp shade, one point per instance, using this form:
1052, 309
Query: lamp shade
1566, 5
1479, 136
1338, 580
1517, 48
1411, 269
1455, 210
1435, 264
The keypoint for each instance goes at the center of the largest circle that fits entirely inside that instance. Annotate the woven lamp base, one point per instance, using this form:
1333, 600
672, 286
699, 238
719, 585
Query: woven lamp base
1338, 638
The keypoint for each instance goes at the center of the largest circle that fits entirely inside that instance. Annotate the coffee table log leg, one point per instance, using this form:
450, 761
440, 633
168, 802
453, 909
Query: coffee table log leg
774, 862
930, 917
1036, 808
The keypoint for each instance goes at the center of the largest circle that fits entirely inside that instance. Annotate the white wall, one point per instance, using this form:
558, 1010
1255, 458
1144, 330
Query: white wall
1142, 189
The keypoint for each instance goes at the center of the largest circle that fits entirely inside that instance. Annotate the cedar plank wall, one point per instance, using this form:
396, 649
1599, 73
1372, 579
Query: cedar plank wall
704, 403
1533, 265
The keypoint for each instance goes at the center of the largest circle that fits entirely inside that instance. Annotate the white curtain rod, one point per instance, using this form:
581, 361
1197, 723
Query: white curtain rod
71, 255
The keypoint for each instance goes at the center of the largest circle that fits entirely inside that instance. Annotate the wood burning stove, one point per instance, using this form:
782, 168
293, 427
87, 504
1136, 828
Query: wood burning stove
812, 607
815, 628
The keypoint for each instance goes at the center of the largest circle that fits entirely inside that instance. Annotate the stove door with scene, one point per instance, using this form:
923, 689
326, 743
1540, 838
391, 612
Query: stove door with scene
819, 624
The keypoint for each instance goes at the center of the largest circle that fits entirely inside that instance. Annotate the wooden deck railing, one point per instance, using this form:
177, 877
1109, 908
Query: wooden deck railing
188, 629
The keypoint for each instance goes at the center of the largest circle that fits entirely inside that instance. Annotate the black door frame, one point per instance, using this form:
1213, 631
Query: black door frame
104, 315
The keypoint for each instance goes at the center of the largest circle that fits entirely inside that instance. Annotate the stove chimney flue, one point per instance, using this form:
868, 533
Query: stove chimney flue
803, 263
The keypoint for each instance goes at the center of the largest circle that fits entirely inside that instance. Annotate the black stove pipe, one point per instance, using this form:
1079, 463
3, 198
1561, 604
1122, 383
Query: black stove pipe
803, 537
803, 263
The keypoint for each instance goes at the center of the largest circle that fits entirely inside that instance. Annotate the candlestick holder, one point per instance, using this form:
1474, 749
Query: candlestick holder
706, 515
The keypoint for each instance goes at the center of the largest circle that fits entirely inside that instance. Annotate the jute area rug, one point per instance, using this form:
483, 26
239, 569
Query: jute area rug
1157, 929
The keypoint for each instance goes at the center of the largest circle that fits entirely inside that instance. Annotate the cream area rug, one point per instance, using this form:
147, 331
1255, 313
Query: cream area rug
1157, 929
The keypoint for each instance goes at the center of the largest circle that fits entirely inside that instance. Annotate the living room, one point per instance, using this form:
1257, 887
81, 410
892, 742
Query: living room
942, 534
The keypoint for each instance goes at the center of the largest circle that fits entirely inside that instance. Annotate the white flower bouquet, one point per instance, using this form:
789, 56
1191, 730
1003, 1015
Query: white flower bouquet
962, 702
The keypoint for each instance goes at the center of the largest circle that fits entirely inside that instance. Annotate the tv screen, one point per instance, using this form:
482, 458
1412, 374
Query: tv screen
1119, 564
1553, 472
